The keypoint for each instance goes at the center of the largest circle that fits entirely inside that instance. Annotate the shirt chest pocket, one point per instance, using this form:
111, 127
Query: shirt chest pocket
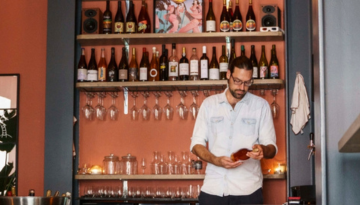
217, 124
247, 126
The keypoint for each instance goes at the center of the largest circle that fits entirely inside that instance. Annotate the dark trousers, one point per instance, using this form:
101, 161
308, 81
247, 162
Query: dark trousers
208, 199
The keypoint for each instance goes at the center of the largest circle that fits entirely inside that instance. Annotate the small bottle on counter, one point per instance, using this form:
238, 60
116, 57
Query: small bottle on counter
198, 166
31, 192
13, 191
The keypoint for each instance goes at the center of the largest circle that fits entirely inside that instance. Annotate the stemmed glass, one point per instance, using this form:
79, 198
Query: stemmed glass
275, 108
168, 110
157, 109
181, 108
143, 165
100, 110
145, 110
134, 111
194, 108
170, 164
113, 111
88, 110
207, 93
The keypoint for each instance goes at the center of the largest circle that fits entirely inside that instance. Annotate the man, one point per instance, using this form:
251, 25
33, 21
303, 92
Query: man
230, 121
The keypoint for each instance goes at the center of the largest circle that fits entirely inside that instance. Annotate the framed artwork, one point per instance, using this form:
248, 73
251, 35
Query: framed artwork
178, 16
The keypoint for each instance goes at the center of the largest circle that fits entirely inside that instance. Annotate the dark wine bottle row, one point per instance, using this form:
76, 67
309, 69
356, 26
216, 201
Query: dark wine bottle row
163, 68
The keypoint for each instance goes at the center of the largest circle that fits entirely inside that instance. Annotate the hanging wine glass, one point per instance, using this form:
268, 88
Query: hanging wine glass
275, 108
134, 112
168, 110
100, 110
157, 109
88, 110
145, 110
112, 110
194, 108
181, 107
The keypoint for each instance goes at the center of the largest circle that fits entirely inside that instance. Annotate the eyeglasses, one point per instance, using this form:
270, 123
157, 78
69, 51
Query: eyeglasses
240, 82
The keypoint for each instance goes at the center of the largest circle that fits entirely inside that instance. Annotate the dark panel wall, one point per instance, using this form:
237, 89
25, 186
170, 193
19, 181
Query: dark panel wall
59, 95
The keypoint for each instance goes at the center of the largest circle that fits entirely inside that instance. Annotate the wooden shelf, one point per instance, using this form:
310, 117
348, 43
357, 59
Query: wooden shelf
266, 84
183, 38
350, 141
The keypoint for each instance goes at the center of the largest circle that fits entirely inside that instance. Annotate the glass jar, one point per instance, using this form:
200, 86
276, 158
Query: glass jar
111, 164
129, 165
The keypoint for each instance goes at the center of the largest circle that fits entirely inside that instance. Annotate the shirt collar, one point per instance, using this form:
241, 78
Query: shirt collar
222, 97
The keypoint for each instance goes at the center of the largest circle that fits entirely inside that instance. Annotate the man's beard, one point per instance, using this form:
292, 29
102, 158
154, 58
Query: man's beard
237, 95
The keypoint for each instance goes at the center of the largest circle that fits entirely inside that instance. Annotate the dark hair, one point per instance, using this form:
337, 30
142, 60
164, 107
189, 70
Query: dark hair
241, 62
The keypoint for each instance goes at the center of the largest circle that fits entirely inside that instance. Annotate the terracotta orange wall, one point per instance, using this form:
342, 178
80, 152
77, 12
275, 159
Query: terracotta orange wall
23, 50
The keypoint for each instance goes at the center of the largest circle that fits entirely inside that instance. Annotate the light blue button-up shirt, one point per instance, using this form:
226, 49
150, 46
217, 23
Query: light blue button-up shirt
227, 130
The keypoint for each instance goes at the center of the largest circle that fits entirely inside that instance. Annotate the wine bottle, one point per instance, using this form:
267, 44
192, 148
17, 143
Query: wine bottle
102, 66
173, 64
131, 19
194, 66
144, 67
119, 20
82, 67
107, 19
232, 52
112, 70
242, 51
154, 67
241, 154
263, 64
231, 16
204, 66
92, 73
214, 72
163, 63
274, 64
31, 192
224, 19
133, 67
250, 18
144, 24
210, 19
184, 66
237, 18
123, 67
254, 63
224, 64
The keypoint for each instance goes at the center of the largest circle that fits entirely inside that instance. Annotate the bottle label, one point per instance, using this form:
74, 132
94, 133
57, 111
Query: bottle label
142, 25
133, 74
111, 75
224, 67
210, 26
162, 66
118, 27
123, 74
194, 67
173, 69
82, 74
130, 27
153, 72
143, 73
184, 69
274, 71
255, 72
224, 26
198, 165
214, 74
102, 73
92, 75
263, 71
107, 24
250, 25
237, 25
204, 68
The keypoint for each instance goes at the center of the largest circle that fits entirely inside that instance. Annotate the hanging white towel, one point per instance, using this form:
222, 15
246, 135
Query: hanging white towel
300, 106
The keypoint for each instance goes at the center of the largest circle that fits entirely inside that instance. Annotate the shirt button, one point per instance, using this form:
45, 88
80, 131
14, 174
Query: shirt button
230, 137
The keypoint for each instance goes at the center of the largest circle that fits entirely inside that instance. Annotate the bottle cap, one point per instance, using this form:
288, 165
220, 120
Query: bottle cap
173, 45
204, 49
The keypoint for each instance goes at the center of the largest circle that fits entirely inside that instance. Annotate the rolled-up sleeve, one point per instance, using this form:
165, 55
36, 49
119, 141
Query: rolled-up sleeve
267, 131
201, 128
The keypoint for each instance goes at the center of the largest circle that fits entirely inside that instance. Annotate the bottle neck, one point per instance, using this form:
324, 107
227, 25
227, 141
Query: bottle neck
107, 5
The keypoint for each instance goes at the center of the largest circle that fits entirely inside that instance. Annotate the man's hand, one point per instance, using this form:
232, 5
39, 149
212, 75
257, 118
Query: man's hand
226, 162
266, 152
256, 155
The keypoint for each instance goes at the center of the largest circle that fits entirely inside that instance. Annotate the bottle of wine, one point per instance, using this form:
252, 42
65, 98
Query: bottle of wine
173, 64
82, 67
144, 24
204, 66
131, 20
144, 67
92, 73
31, 192
254, 63
274, 64
231, 16
194, 66
123, 67
242, 51
154, 67
210, 19
232, 52
263, 64
163, 62
224, 19
250, 18
133, 67
107, 19
119, 20
102, 66
184, 66
214, 72
237, 18
112, 70
223, 61
241, 154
